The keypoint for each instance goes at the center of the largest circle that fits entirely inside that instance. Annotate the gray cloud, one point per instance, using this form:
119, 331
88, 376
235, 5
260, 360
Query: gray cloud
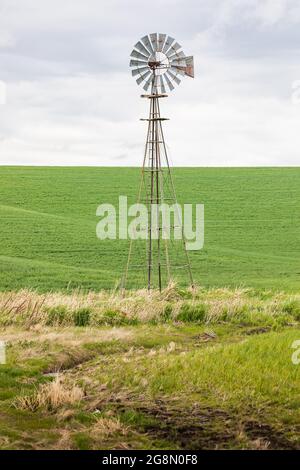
71, 99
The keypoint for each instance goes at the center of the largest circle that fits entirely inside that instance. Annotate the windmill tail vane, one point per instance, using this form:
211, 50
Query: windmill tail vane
158, 64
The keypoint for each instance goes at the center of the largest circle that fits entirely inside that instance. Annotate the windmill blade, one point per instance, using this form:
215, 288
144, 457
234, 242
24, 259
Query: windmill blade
168, 44
138, 55
161, 41
148, 83
169, 83
154, 41
162, 85
139, 71
137, 63
174, 77
145, 40
139, 46
143, 77
177, 56
175, 47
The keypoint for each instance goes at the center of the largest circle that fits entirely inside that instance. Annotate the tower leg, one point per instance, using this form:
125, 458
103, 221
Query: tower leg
152, 158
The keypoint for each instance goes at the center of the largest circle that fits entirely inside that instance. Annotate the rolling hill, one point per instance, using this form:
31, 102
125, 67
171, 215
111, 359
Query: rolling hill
48, 226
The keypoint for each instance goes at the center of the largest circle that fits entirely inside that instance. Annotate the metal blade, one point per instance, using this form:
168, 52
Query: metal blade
173, 76
145, 40
139, 71
169, 83
143, 77
138, 55
162, 85
139, 46
154, 42
175, 47
137, 63
147, 84
161, 41
168, 44
177, 55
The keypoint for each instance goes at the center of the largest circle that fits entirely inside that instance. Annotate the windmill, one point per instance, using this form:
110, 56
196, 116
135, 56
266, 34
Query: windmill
158, 64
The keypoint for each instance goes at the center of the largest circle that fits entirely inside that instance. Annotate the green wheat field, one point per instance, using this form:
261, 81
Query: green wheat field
216, 366
48, 226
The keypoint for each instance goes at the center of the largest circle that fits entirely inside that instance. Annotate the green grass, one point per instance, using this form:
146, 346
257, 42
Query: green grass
179, 369
163, 387
48, 226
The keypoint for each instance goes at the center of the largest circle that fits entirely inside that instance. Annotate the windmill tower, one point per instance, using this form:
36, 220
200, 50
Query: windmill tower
158, 63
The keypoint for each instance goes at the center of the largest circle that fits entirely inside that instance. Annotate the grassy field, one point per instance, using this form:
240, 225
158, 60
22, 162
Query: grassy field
48, 221
203, 369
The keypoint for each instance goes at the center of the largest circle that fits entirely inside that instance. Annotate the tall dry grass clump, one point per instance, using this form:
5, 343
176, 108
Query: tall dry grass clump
106, 426
51, 396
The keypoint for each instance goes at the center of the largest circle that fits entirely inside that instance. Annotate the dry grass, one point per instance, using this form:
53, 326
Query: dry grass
102, 430
67, 337
65, 442
52, 395
33, 310
105, 427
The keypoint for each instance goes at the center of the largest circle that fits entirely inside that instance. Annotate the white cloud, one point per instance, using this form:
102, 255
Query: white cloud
271, 12
6, 40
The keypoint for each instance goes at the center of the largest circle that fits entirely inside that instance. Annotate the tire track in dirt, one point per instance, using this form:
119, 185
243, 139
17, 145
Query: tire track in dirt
198, 427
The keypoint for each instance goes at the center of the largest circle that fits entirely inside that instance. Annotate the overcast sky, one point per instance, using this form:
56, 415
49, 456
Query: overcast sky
71, 100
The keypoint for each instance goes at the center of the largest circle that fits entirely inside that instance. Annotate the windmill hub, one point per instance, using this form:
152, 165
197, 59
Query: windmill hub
159, 63
153, 64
